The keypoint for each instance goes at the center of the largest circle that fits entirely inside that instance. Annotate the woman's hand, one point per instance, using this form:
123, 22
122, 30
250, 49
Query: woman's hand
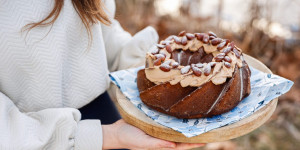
123, 135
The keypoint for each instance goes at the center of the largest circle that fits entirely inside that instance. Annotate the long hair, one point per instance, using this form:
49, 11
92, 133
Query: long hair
89, 11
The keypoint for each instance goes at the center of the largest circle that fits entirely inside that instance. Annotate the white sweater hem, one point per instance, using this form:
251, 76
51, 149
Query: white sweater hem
88, 135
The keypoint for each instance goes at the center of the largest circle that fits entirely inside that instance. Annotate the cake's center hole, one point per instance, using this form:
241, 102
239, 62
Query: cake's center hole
187, 57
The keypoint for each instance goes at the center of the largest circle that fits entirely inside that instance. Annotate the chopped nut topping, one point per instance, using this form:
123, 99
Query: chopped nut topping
185, 69
182, 33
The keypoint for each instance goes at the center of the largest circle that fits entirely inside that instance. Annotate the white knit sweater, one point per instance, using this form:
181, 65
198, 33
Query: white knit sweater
48, 73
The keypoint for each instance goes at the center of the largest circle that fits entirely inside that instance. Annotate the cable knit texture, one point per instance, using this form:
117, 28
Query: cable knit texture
49, 72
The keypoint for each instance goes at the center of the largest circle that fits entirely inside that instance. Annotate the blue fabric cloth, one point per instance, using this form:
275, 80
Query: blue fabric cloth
264, 88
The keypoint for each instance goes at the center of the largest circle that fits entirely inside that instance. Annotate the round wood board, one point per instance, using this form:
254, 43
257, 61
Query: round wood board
135, 117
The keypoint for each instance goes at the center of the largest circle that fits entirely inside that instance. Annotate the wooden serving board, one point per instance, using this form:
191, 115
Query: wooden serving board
135, 117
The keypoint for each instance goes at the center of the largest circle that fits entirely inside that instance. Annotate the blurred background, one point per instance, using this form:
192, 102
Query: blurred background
268, 30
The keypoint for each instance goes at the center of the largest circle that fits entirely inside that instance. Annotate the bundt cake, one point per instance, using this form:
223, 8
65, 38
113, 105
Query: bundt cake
194, 75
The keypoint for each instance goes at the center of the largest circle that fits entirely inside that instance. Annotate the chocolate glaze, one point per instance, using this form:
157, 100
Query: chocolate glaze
193, 102
187, 57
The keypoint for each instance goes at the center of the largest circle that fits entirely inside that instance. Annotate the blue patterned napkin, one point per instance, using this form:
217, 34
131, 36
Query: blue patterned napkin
264, 88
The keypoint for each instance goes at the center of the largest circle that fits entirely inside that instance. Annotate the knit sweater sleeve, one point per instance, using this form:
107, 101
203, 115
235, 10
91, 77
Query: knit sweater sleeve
123, 50
54, 128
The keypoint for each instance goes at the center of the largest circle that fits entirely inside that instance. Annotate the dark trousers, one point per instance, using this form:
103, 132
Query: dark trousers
101, 108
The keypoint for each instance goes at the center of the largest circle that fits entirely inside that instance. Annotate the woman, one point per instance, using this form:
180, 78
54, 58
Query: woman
55, 57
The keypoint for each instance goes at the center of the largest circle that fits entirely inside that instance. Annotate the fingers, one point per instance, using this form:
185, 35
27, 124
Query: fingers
180, 146
166, 145
134, 138
154, 143
185, 146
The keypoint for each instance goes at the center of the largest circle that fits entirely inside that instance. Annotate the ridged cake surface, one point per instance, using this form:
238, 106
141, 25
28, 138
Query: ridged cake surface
194, 75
